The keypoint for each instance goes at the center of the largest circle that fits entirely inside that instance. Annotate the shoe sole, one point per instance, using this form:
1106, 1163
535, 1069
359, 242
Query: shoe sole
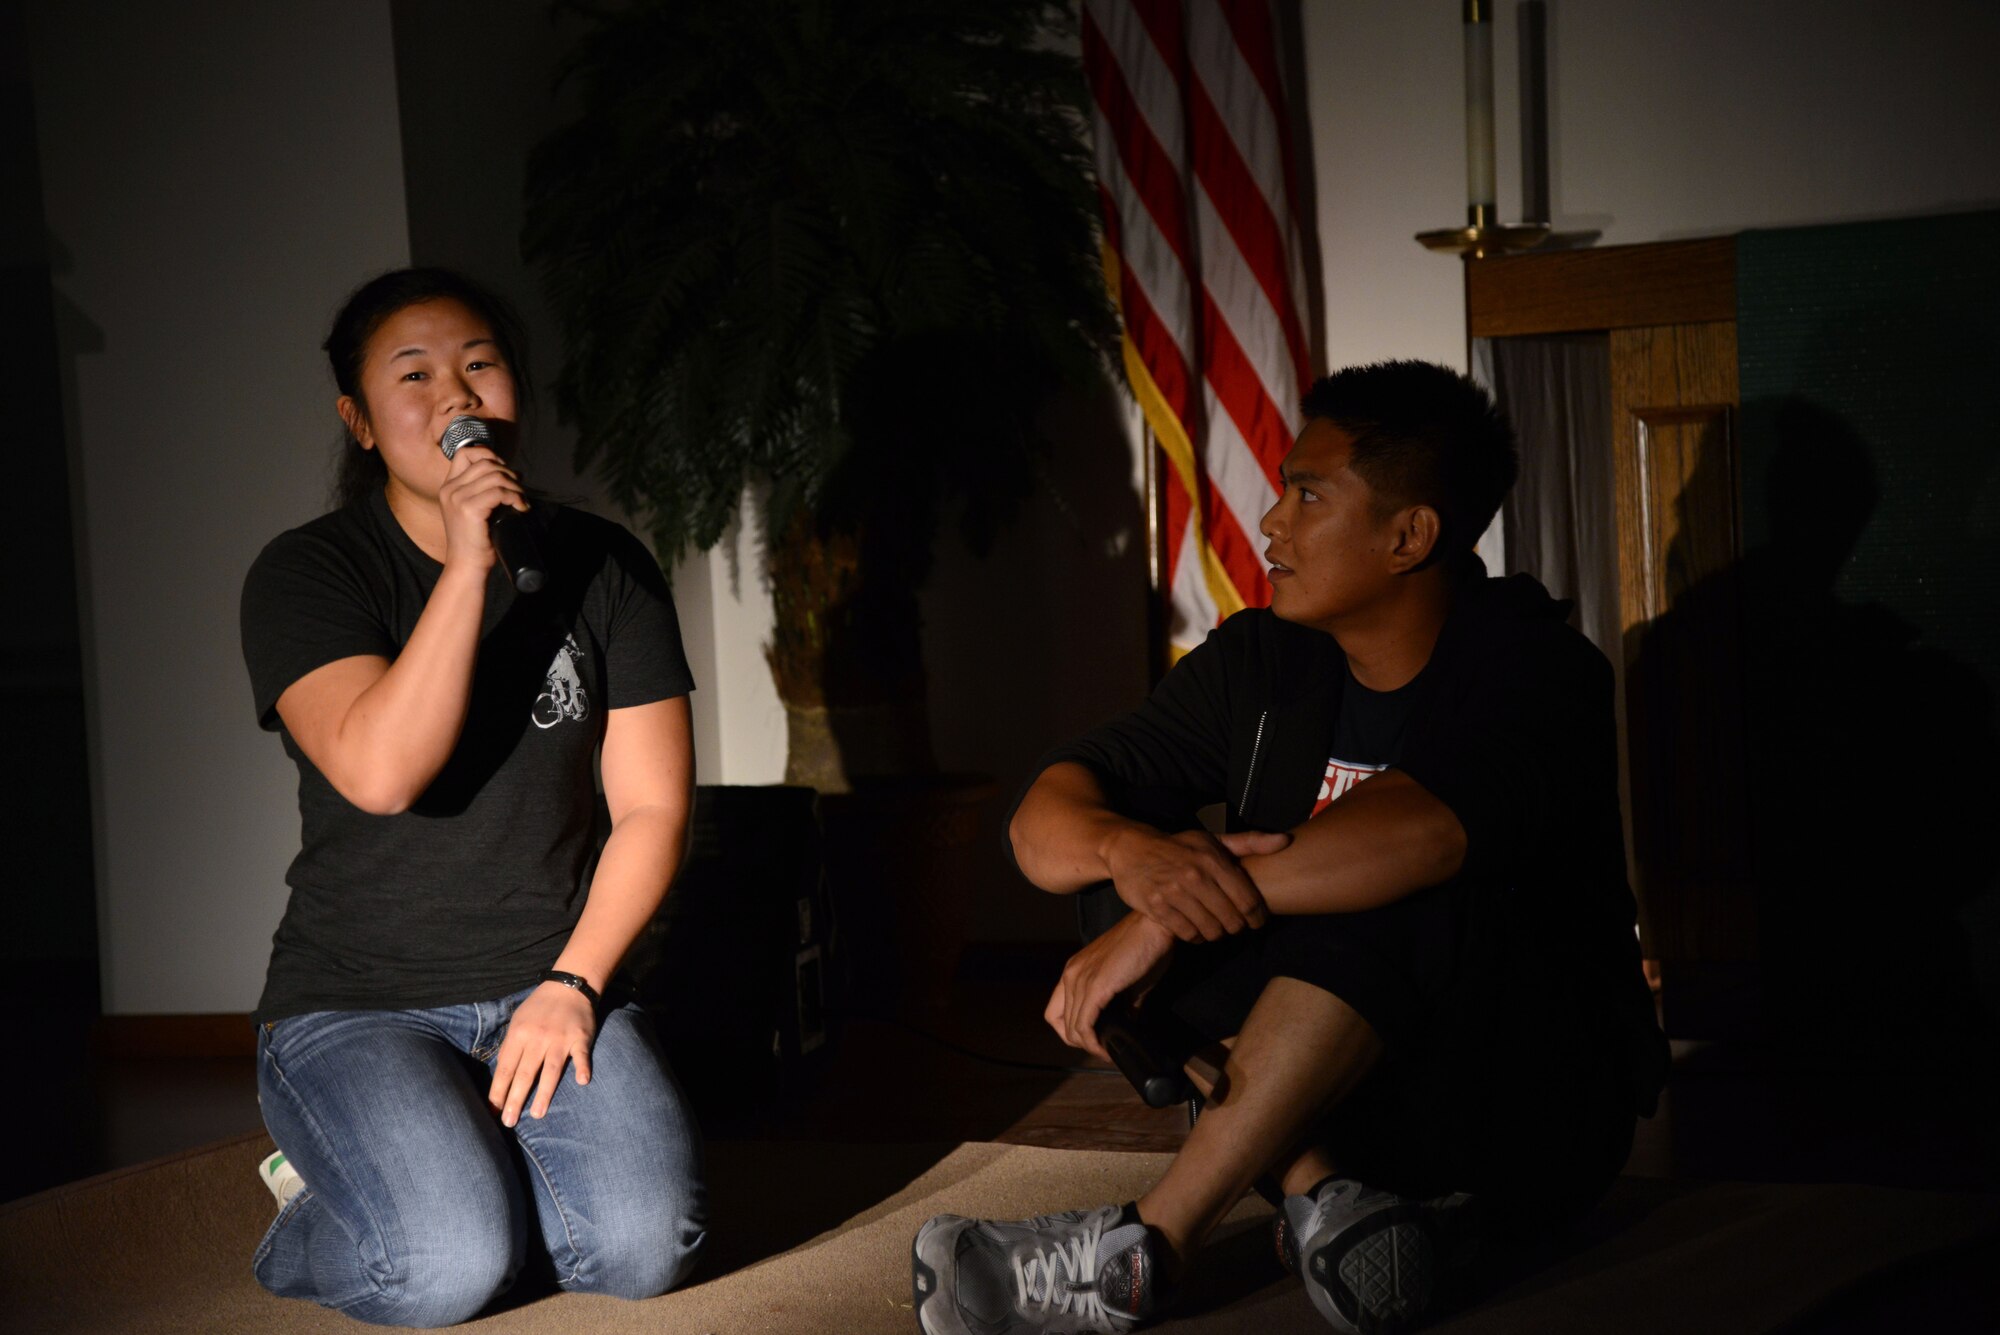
1379, 1277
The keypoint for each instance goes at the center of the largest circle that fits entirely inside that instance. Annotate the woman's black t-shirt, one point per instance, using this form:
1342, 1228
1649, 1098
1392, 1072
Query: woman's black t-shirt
471, 893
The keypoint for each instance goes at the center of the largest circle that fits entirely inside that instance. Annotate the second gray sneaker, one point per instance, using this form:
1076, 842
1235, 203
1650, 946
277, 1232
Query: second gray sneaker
1375, 1263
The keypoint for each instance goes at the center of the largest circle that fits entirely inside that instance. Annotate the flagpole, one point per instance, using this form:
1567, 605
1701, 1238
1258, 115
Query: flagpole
1158, 598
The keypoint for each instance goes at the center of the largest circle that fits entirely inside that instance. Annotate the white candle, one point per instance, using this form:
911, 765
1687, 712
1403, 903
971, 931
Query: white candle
1479, 111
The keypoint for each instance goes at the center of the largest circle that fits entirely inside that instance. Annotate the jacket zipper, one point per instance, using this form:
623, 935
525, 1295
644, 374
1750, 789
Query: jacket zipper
1256, 748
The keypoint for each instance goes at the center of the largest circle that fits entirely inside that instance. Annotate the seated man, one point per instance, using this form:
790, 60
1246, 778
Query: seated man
1412, 954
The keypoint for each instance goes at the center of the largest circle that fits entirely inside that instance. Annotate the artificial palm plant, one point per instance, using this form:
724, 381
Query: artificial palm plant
839, 253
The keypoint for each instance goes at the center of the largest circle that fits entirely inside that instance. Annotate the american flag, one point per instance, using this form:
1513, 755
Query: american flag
1202, 253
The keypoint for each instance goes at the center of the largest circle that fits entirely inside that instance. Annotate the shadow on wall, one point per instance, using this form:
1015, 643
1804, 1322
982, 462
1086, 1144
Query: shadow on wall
1872, 761
1039, 639
1869, 762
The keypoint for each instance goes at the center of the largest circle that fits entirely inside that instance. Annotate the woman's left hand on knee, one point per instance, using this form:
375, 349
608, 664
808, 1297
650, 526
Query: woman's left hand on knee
550, 1029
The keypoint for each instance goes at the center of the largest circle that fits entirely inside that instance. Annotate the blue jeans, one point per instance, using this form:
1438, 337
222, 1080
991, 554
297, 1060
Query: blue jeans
418, 1205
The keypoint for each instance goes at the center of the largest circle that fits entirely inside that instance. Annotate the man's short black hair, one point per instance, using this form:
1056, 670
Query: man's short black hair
1423, 435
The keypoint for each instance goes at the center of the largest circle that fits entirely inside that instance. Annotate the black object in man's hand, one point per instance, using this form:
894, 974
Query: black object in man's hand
1145, 1052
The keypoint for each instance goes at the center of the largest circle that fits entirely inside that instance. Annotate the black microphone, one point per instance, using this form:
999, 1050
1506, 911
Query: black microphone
1146, 1052
513, 532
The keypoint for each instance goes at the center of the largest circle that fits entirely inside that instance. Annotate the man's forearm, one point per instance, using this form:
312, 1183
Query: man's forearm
1385, 839
1062, 828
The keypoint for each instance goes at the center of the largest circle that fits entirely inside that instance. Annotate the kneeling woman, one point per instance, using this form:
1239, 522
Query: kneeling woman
450, 1099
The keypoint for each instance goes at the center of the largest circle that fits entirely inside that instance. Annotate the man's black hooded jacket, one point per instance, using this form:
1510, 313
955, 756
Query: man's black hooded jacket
1512, 728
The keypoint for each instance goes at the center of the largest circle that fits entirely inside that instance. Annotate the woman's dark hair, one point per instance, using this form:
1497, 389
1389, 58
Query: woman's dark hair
1423, 435
360, 471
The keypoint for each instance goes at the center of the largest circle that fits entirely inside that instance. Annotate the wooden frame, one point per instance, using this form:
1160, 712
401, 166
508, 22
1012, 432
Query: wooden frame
1618, 287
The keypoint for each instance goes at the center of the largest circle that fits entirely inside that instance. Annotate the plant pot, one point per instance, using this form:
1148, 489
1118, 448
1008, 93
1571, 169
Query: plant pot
901, 860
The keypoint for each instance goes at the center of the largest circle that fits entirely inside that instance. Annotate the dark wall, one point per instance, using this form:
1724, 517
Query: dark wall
1870, 588
1038, 640
44, 777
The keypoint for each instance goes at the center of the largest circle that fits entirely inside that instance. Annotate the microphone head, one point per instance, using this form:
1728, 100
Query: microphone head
465, 429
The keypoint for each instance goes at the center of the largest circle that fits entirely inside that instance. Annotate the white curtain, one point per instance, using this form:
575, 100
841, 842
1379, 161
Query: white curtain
1557, 524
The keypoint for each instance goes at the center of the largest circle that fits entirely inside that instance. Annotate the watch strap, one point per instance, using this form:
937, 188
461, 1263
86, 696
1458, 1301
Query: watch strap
576, 981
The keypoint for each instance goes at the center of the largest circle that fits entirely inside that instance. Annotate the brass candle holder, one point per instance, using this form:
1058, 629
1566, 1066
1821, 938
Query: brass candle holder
1481, 236
1483, 233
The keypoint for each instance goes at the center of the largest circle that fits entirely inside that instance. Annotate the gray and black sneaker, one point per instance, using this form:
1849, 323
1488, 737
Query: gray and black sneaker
1375, 1263
1056, 1274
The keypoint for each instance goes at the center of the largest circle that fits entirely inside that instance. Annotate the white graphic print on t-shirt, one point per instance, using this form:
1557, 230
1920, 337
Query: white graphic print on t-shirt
563, 696
1341, 775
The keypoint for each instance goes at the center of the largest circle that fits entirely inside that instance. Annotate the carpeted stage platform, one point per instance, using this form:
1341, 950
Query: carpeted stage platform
815, 1238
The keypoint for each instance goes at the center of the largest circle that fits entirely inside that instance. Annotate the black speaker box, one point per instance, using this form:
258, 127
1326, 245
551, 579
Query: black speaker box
734, 969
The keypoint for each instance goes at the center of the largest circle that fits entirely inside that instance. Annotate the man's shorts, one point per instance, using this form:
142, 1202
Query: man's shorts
1487, 1082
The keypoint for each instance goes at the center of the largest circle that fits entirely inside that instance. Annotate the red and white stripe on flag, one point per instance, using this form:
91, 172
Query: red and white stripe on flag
1202, 254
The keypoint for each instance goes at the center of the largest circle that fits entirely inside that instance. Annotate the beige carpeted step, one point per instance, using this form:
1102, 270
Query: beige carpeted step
166, 1248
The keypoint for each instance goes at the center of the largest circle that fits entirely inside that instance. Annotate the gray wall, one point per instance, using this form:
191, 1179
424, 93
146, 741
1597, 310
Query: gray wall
211, 189
209, 205
1697, 117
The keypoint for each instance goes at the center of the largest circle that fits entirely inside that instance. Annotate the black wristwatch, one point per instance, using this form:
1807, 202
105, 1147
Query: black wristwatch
576, 981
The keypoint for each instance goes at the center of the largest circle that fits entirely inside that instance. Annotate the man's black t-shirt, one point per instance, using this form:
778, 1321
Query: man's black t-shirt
472, 892
1367, 735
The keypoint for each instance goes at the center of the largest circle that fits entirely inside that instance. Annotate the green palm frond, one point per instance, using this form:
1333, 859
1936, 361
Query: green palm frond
844, 248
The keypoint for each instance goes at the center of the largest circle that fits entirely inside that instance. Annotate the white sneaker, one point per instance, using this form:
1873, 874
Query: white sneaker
284, 1181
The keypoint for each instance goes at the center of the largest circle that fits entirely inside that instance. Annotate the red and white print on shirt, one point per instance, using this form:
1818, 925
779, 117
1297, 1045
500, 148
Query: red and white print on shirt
1341, 775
